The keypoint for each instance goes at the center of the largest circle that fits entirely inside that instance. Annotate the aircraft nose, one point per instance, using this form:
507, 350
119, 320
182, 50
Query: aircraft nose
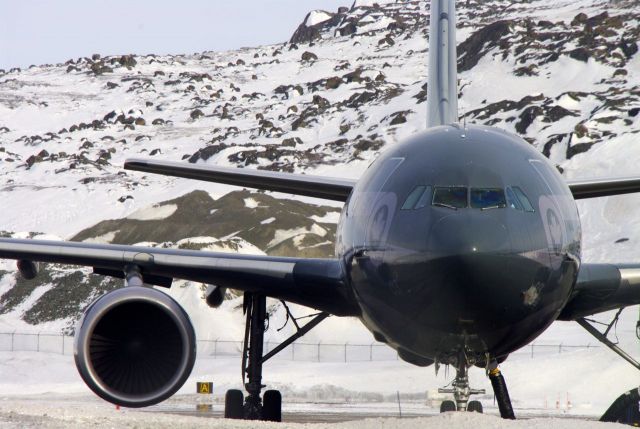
462, 234
468, 273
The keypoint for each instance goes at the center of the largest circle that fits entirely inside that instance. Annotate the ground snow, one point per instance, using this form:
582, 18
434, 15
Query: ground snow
72, 414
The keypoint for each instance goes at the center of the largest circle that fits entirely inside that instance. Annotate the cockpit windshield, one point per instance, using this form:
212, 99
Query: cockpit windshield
487, 198
459, 197
454, 197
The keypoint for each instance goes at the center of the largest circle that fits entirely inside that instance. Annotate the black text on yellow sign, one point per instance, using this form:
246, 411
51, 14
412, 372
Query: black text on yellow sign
205, 388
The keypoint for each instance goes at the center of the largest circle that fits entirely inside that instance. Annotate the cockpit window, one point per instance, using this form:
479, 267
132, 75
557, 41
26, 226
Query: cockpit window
425, 199
413, 198
525, 204
418, 198
487, 198
454, 197
512, 200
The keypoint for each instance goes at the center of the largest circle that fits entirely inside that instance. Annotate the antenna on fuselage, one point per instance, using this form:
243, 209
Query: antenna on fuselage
442, 88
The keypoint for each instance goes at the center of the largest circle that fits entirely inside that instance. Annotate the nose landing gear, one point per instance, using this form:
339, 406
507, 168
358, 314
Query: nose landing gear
461, 392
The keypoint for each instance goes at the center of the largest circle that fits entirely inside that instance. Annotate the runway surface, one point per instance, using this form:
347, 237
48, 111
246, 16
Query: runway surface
337, 413
81, 411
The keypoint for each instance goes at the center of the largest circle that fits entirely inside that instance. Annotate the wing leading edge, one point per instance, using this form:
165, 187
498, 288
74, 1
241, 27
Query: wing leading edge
603, 187
298, 184
316, 283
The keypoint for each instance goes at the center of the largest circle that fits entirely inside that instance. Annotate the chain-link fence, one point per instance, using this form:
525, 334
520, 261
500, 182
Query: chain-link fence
307, 352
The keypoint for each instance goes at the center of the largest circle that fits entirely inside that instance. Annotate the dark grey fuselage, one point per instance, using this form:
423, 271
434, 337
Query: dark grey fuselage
436, 281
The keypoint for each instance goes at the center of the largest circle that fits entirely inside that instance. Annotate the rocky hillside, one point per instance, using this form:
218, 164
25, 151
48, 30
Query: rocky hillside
240, 221
563, 74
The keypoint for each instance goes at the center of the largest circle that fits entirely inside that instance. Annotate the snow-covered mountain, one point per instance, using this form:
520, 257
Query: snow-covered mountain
563, 74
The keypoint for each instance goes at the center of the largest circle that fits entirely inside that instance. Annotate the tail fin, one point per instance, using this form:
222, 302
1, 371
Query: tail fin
442, 98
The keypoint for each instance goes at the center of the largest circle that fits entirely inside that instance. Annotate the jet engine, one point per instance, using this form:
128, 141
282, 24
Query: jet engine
135, 346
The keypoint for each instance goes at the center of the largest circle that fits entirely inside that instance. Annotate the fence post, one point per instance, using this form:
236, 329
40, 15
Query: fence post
293, 351
63, 344
371, 352
12, 335
560, 349
345, 351
215, 348
532, 350
319, 350
38, 342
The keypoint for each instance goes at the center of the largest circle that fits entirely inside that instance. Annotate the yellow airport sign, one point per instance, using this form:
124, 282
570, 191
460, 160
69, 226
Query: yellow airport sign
205, 388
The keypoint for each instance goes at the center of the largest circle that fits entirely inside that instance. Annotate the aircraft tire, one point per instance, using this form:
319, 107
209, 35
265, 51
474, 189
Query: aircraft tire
475, 406
447, 406
234, 404
272, 406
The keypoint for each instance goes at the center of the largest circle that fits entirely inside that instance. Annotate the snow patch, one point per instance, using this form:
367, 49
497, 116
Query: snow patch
251, 203
154, 212
103, 239
285, 234
331, 217
369, 3
316, 17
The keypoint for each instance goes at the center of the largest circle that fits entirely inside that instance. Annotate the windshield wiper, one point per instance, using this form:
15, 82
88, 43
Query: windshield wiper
499, 206
445, 205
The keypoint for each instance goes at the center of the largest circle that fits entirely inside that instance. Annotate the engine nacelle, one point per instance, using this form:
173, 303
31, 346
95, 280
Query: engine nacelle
135, 346
28, 269
214, 296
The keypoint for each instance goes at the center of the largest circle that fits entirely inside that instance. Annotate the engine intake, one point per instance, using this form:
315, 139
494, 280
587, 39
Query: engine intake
135, 346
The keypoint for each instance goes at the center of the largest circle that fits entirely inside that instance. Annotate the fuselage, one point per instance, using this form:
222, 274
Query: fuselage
460, 240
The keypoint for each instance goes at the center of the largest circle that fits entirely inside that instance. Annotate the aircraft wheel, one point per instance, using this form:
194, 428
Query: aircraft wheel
447, 406
475, 406
233, 404
272, 406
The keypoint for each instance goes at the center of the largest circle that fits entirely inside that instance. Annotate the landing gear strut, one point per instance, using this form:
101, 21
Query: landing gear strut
269, 407
256, 308
461, 390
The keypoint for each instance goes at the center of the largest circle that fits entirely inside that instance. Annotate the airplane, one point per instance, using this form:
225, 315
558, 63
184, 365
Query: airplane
456, 247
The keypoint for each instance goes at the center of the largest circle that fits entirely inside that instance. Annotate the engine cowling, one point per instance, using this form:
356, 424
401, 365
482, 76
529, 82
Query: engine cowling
135, 346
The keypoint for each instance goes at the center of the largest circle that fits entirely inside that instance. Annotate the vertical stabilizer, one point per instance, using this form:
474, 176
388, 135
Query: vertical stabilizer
442, 90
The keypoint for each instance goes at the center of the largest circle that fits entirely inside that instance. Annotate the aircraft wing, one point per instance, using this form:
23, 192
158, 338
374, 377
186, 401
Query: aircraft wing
602, 287
298, 184
316, 283
604, 187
